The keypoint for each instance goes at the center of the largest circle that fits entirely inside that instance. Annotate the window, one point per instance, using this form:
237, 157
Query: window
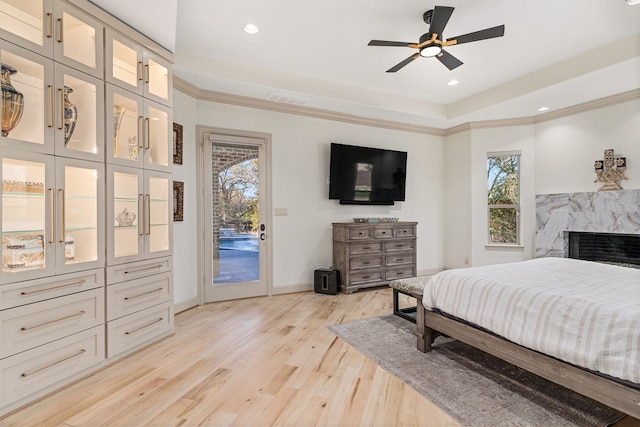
503, 198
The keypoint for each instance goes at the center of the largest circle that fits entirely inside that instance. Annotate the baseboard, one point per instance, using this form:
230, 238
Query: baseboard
290, 289
186, 305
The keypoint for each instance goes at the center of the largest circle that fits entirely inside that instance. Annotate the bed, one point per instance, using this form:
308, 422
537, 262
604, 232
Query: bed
574, 322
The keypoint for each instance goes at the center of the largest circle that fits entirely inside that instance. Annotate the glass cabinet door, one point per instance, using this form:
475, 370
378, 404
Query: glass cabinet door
124, 122
79, 106
28, 23
27, 100
158, 137
158, 212
124, 65
27, 215
80, 215
125, 226
78, 39
158, 78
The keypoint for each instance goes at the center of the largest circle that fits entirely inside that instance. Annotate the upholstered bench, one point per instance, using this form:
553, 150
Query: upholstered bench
412, 287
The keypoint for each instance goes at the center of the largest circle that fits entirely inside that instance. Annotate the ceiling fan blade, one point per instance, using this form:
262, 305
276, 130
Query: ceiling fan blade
403, 63
440, 18
448, 60
388, 43
488, 33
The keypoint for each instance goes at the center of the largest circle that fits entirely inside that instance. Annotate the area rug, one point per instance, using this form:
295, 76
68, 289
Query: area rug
474, 388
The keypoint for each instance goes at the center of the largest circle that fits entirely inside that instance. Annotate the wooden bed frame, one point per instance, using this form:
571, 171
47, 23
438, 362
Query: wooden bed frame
430, 325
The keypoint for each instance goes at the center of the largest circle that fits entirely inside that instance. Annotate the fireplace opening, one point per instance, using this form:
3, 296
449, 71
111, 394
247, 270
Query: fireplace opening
624, 248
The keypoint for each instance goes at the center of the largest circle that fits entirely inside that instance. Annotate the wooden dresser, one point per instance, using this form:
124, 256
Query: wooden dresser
373, 254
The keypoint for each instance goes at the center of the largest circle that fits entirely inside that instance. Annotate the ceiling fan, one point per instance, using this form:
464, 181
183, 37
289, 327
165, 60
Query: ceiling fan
432, 44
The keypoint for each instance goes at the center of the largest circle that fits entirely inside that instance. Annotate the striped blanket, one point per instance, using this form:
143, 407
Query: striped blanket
581, 312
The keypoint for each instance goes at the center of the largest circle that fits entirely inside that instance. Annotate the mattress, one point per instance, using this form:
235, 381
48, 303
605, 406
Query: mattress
581, 312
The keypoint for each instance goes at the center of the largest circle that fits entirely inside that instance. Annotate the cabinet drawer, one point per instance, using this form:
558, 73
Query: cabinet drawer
400, 272
359, 233
366, 262
405, 231
42, 369
365, 248
366, 276
402, 245
24, 327
383, 233
22, 293
135, 270
134, 330
128, 297
399, 259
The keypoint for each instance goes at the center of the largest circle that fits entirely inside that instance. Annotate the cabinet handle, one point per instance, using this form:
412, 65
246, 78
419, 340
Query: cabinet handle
153, 267
60, 92
50, 106
139, 70
365, 248
147, 128
366, 263
143, 294
146, 73
62, 213
141, 132
52, 224
160, 319
141, 213
61, 31
78, 282
39, 325
35, 371
366, 277
49, 25
147, 199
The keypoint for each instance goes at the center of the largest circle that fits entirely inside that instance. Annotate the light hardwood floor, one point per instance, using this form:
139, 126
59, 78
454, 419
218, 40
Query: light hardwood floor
251, 362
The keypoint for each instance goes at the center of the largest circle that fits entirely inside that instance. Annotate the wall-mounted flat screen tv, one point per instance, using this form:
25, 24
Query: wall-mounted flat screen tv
366, 176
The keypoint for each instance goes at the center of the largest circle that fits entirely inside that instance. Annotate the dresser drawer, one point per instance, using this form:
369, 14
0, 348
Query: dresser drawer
365, 248
366, 276
44, 368
405, 231
399, 245
22, 293
136, 270
359, 233
135, 330
399, 259
366, 262
134, 295
400, 272
24, 327
383, 232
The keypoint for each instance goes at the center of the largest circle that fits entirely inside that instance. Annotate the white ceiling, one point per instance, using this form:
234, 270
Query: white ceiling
557, 53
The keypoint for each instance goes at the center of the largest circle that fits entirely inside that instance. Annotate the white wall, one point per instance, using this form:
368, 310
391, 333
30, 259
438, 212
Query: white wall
300, 166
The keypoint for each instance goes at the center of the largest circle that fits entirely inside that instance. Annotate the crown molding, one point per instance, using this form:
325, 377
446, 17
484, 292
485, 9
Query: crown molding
245, 101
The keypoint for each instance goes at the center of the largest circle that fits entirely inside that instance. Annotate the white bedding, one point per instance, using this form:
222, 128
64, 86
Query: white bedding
581, 312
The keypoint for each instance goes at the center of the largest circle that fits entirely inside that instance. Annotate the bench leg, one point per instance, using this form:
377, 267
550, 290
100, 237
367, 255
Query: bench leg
423, 334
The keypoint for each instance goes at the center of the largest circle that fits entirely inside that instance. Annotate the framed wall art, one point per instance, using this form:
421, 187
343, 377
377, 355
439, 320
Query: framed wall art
177, 144
178, 201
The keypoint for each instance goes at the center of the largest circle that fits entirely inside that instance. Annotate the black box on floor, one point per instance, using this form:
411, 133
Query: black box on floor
325, 281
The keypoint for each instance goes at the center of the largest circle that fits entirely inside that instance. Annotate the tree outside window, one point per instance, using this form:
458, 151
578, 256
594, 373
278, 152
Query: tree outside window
503, 198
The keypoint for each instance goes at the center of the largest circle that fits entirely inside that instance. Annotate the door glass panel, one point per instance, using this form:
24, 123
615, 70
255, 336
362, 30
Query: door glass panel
80, 215
159, 137
125, 127
125, 63
79, 99
235, 214
158, 79
126, 215
79, 40
23, 18
158, 214
23, 215
23, 98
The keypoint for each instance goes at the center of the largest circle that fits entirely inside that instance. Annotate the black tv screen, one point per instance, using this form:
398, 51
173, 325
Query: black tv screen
363, 175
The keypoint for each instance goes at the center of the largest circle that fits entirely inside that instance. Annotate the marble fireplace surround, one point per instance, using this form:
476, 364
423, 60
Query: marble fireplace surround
603, 212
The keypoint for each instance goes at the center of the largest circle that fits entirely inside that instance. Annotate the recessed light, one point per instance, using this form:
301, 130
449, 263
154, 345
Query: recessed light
251, 28
544, 108
452, 82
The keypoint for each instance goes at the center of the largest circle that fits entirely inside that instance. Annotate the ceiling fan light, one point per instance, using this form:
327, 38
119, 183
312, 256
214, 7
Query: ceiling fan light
430, 50
633, 2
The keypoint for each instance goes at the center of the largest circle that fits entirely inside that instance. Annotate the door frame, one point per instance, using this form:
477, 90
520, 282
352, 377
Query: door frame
204, 212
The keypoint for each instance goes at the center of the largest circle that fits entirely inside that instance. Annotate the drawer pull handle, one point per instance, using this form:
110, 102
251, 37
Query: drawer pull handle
399, 273
64, 285
366, 248
367, 262
366, 277
143, 294
153, 267
160, 319
399, 245
35, 371
28, 328
399, 259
